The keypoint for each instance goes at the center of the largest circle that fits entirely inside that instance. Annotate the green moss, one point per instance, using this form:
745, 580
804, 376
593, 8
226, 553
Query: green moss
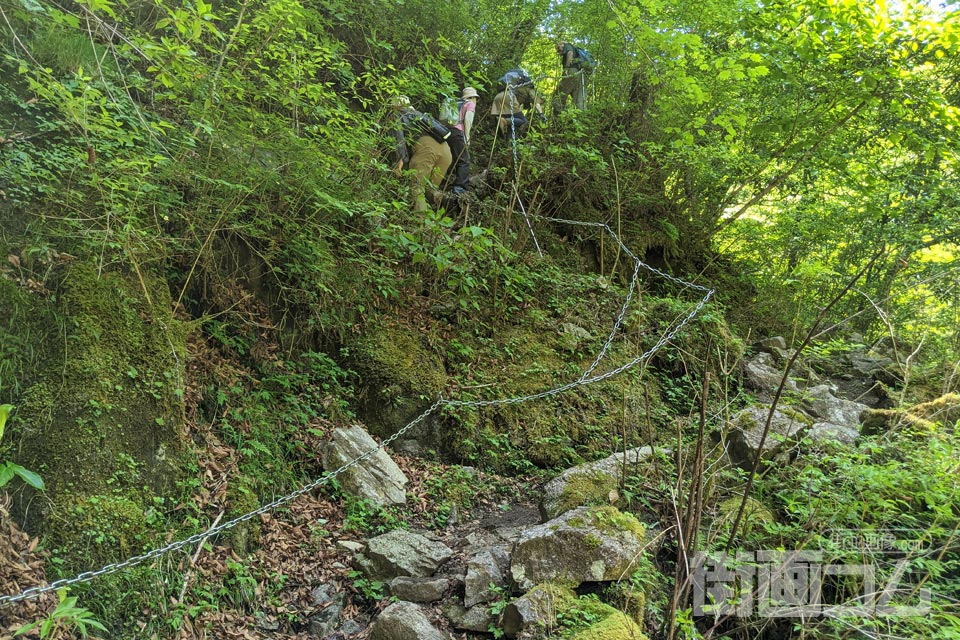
617, 625
553, 432
399, 376
110, 405
584, 489
98, 529
634, 604
241, 499
880, 421
395, 356
611, 521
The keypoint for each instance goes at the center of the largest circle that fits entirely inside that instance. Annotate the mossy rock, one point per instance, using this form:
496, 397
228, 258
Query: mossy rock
98, 529
556, 431
591, 488
399, 377
550, 605
923, 417
242, 499
108, 400
616, 625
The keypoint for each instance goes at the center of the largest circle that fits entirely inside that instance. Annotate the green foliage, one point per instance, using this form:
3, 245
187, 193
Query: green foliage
66, 618
371, 590
9, 469
225, 161
367, 518
894, 490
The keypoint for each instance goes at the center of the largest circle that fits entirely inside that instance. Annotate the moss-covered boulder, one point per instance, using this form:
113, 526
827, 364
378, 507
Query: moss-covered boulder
553, 605
553, 431
98, 418
398, 376
537, 609
615, 625
925, 416
587, 544
589, 484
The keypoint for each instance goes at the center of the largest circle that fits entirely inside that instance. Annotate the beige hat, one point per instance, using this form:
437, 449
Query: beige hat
469, 92
400, 102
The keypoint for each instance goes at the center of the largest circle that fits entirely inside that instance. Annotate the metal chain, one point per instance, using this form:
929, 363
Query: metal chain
516, 165
196, 538
583, 380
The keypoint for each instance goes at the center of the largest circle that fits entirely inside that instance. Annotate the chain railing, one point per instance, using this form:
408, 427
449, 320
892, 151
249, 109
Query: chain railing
584, 379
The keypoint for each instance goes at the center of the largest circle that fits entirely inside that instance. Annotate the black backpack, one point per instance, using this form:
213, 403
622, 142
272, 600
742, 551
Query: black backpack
429, 125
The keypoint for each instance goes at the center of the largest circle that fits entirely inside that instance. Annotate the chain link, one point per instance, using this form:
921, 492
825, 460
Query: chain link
583, 380
516, 164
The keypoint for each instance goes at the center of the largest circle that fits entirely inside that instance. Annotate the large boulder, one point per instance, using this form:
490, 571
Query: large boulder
402, 553
587, 544
820, 402
761, 374
486, 576
378, 479
745, 430
593, 483
404, 621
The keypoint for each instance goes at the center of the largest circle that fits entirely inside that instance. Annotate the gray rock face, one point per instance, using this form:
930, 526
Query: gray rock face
476, 618
820, 402
876, 367
587, 544
404, 621
377, 479
746, 428
587, 484
402, 553
761, 374
830, 432
488, 567
777, 342
418, 589
536, 609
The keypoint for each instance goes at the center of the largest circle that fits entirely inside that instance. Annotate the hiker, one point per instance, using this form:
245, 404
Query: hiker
573, 81
460, 139
430, 157
508, 106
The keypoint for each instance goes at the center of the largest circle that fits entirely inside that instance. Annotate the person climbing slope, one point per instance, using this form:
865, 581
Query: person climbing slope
518, 93
430, 157
576, 64
459, 141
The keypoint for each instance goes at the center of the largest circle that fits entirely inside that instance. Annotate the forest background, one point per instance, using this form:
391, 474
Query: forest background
202, 235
